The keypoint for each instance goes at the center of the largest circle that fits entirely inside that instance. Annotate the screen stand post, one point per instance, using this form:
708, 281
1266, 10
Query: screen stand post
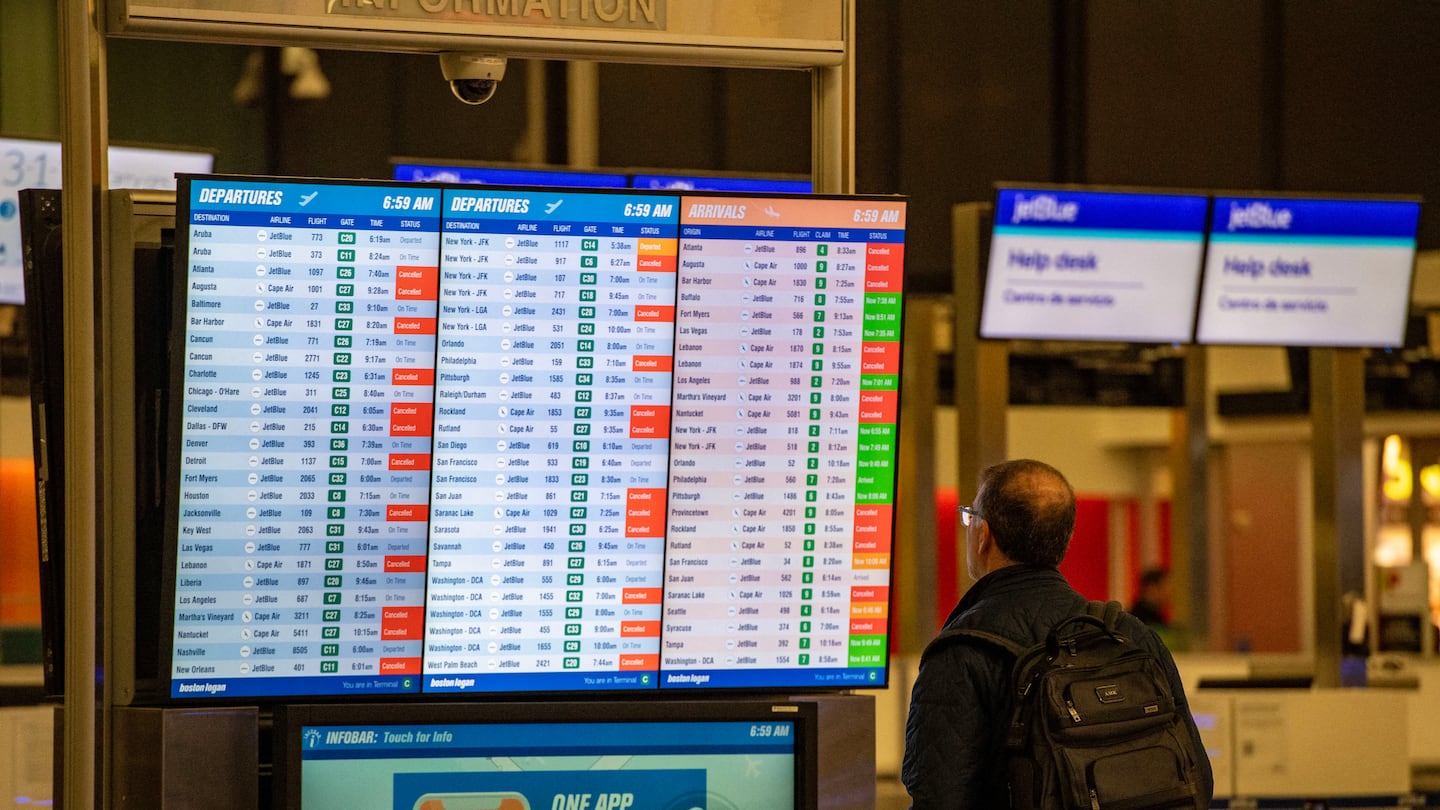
193, 757
845, 751
1337, 416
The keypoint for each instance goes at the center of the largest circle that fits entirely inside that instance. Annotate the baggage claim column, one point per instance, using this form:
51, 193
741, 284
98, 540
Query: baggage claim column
304, 474
551, 427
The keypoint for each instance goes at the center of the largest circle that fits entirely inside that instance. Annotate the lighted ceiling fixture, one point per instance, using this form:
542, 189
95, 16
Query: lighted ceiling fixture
247, 91
304, 65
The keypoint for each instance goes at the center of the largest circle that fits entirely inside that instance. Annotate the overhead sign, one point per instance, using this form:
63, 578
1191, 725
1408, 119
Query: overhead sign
1289, 271
1101, 265
780, 32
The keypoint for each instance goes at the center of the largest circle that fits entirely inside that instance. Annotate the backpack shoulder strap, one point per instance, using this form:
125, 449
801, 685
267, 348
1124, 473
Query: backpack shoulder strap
985, 637
1106, 612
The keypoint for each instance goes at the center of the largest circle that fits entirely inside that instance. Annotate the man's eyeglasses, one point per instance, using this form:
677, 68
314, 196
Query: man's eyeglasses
969, 517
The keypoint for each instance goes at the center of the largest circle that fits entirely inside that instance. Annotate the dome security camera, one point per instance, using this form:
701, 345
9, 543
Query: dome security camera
473, 77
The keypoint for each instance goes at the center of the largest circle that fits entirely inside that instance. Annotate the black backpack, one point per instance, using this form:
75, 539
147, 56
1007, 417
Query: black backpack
1095, 725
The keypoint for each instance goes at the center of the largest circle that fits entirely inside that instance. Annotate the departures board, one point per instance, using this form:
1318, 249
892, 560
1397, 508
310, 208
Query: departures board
452, 439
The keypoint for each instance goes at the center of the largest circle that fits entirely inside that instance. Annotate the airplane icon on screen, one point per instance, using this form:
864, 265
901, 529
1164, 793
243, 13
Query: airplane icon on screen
306, 198
550, 209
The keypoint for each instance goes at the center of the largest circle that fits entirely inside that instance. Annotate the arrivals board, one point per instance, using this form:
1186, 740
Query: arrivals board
475, 439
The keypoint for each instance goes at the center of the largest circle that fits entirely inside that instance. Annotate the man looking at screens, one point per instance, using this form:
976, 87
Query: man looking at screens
1016, 534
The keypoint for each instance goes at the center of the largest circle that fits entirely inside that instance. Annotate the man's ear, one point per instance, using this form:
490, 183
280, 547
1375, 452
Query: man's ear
984, 540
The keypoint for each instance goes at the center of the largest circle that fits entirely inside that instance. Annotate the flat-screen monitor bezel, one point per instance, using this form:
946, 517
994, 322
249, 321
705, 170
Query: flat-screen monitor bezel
163, 688
41, 240
1320, 197
986, 258
678, 181
290, 719
682, 182
506, 174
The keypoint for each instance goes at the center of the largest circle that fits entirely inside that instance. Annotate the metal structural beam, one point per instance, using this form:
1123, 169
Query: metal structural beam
739, 33
84, 147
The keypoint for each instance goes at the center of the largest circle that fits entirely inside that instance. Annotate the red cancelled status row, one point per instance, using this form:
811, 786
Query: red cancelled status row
884, 267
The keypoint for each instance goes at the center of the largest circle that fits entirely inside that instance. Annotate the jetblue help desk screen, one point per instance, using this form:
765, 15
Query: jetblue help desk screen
459, 439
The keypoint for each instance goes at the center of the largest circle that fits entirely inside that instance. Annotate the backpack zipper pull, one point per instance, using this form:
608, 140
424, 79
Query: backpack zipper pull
1094, 800
1074, 715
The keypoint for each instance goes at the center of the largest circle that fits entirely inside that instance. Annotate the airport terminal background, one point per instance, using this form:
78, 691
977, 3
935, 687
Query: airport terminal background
950, 99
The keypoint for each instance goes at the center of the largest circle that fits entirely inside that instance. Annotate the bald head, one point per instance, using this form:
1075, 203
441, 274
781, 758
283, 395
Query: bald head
1030, 510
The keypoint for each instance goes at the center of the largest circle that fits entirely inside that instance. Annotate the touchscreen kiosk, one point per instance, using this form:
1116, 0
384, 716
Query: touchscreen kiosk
1287, 271
735, 755
458, 439
1069, 264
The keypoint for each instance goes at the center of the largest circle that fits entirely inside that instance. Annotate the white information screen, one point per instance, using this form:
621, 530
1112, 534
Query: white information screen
1308, 272
36, 164
1093, 265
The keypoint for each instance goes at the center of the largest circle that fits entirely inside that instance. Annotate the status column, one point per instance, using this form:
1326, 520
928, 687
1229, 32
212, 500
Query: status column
875, 455
407, 514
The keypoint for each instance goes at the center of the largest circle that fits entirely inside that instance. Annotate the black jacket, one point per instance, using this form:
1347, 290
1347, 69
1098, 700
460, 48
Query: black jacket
960, 704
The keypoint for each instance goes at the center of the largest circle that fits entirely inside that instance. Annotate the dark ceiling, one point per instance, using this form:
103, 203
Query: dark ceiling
952, 96
1211, 94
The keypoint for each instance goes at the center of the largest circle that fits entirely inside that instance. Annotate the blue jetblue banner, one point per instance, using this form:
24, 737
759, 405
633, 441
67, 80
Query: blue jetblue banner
1381, 221
1183, 214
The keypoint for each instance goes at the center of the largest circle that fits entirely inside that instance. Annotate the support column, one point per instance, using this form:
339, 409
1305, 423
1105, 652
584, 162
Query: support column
1337, 411
832, 119
1190, 499
915, 572
982, 368
83, 177
582, 80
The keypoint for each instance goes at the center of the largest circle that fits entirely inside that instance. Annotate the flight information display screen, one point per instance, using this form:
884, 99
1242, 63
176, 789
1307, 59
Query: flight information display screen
476, 439
1293, 271
502, 175
1102, 265
506, 756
